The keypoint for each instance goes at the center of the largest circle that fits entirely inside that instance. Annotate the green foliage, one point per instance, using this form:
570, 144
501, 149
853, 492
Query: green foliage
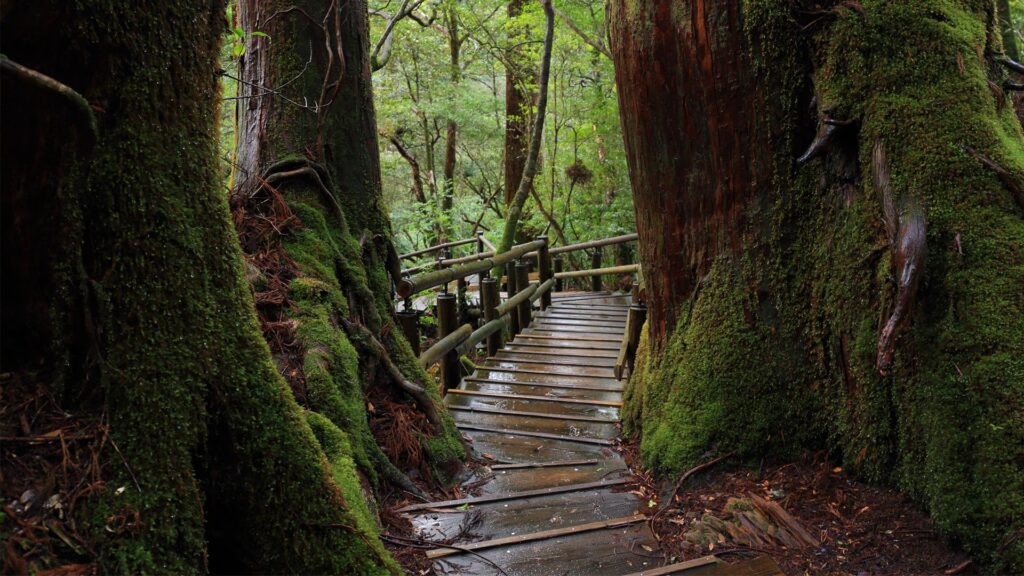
416, 97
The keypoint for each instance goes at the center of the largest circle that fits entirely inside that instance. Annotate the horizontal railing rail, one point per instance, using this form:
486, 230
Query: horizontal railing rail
442, 246
456, 318
420, 282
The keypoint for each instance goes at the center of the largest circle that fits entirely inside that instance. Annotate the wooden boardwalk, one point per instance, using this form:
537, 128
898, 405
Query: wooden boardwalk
545, 409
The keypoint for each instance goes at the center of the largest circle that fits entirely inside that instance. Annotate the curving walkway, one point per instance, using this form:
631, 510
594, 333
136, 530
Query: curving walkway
546, 411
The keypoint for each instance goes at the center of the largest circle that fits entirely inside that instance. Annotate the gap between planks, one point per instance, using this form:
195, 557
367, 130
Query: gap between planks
536, 398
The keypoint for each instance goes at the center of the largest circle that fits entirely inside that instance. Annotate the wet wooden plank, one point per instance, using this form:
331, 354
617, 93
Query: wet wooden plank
556, 360
505, 449
535, 465
591, 384
562, 428
547, 368
586, 319
505, 403
548, 334
542, 535
476, 500
688, 567
571, 329
542, 415
613, 317
525, 340
532, 434
601, 552
519, 518
542, 350
515, 480
512, 375
616, 404
545, 390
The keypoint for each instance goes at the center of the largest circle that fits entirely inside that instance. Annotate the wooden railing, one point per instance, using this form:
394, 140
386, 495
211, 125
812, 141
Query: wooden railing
456, 332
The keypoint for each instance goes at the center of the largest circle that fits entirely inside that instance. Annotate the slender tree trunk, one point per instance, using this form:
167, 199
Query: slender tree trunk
414, 166
865, 297
517, 105
452, 131
515, 209
153, 328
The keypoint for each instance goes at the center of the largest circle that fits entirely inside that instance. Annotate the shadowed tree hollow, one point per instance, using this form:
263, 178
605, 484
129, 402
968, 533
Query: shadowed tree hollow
829, 205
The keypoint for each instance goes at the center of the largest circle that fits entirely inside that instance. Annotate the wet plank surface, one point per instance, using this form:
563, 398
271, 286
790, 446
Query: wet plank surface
545, 411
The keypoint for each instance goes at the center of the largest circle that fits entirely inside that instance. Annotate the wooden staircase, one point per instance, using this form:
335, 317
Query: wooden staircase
545, 409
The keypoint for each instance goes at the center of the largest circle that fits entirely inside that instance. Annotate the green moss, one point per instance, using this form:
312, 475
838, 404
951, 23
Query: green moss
719, 383
336, 376
336, 447
794, 322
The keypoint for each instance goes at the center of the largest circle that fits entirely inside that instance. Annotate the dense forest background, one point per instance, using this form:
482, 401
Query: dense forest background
582, 189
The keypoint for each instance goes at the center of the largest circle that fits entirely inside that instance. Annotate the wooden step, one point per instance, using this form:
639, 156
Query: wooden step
543, 535
609, 551
556, 383
471, 501
530, 434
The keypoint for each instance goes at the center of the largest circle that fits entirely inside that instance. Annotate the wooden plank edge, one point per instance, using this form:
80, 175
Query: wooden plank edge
521, 414
608, 403
678, 567
517, 495
535, 536
530, 434
557, 464
617, 389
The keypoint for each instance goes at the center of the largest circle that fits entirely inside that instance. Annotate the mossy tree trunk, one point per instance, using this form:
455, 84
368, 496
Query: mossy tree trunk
150, 326
868, 297
322, 274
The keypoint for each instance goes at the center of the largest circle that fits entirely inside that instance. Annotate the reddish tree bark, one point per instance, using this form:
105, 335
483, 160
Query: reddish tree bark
694, 143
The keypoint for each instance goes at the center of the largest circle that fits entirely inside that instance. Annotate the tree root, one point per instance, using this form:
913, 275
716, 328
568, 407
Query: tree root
1011, 64
1005, 176
417, 392
907, 230
78, 102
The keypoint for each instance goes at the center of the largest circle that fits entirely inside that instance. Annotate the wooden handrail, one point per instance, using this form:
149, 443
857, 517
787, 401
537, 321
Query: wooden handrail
627, 269
591, 244
513, 301
445, 345
441, 246
420, 282
464, 339
449, 262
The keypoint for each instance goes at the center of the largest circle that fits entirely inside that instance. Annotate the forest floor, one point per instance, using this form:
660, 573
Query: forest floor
809, 515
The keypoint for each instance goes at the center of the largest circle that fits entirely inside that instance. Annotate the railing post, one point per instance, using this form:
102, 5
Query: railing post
635, 293
481, 276
522, 281
635, 322
409, 320
559, 263
447, 322
544, 268
595, 262
511, 288
489, 299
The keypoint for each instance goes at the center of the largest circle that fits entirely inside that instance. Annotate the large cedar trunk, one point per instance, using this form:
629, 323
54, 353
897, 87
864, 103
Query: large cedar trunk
138, 313
321, 273
866, 298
